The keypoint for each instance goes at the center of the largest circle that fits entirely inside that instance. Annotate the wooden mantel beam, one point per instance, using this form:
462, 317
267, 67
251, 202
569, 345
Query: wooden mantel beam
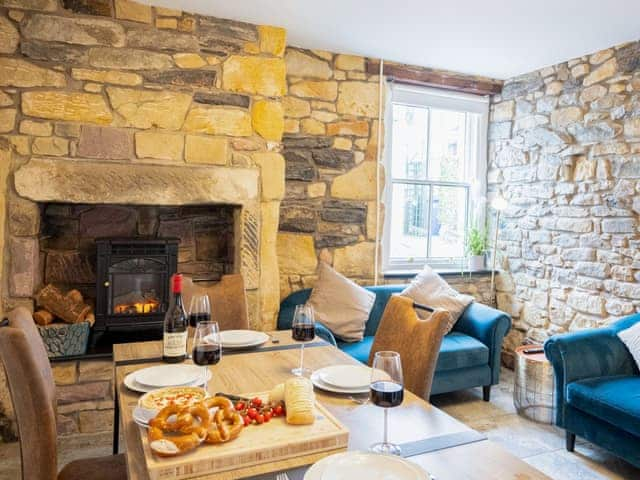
436, 78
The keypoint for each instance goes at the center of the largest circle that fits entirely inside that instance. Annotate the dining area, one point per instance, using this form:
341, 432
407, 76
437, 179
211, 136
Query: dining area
240, 403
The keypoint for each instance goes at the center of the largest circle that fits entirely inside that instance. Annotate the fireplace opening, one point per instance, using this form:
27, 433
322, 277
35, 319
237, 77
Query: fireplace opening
132, 281
120, 257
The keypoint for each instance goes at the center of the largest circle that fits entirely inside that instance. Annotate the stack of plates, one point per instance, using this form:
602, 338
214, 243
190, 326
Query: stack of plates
350, 465
152, 378
348, 379
232, 339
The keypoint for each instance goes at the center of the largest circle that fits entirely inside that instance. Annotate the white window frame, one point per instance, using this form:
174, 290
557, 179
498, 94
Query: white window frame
445, 100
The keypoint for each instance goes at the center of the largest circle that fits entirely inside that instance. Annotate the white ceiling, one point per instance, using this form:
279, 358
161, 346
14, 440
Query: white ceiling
494, 38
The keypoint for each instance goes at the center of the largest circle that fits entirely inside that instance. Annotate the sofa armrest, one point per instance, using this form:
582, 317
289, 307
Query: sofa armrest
489, 326
587, 354
324, 333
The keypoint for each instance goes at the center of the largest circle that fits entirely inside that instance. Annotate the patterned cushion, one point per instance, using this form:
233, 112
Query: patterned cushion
631, 338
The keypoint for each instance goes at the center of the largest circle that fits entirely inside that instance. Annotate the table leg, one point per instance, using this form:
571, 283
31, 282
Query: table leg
116, 425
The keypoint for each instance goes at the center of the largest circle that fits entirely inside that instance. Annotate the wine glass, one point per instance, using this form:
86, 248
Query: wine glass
207, 346
386, 391
199, 311
303, 329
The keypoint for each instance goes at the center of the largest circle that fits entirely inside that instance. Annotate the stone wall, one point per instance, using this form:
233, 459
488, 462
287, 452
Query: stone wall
106, 101
565, 152
330, 148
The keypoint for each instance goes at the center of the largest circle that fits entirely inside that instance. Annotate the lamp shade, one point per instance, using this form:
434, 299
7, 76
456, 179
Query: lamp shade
499, 203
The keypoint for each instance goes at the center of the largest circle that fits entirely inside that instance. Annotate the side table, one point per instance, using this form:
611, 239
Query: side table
533, 393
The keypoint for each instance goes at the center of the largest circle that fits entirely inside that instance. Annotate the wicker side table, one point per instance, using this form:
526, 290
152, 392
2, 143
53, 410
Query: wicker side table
533, 394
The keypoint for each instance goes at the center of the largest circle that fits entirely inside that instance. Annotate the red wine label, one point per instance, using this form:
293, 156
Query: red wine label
175, 344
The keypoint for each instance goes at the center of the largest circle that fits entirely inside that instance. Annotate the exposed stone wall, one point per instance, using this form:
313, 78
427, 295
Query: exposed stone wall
119, 87
85, 396
330, 148
564, 151
109, 101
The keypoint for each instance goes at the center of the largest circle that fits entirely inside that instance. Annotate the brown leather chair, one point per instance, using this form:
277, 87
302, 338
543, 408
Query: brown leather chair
416, 340
33, 393
228, 300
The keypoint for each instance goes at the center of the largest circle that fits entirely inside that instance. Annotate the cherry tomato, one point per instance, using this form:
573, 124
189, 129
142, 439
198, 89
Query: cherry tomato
247, 420
267, 416
252, 413
260, 419
256, 402
239, 406
278, 411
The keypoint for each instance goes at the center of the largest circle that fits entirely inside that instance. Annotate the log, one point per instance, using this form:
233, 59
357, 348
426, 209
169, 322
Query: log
63, 306
43, 317
75, 295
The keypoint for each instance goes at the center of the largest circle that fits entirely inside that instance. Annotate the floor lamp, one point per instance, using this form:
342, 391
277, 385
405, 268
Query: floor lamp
498, 204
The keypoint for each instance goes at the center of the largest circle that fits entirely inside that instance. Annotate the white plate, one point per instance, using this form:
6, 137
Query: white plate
350, 465
346, 376
168, 375
142, 416
317, 381
131, 383
242, 338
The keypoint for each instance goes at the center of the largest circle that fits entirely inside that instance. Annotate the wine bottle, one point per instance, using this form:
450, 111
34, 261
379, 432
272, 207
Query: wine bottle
176, 325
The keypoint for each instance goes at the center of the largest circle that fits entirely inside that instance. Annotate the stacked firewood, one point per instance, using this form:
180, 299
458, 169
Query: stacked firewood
69, 307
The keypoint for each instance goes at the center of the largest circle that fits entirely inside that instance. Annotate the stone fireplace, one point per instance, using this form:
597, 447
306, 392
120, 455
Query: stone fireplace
60, 207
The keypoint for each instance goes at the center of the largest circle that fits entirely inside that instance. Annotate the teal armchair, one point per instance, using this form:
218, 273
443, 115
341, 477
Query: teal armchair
598, 389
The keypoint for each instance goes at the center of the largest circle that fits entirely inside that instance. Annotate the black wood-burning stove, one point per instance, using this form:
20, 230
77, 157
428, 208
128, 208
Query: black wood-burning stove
132, 282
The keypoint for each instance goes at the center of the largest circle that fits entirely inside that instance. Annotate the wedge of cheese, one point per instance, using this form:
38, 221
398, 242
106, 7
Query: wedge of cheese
299, 399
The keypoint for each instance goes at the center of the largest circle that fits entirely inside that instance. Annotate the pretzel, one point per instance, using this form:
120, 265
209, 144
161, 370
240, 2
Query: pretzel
227, 423
192, 433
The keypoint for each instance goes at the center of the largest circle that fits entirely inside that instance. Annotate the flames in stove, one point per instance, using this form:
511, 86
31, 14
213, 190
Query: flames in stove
135, 303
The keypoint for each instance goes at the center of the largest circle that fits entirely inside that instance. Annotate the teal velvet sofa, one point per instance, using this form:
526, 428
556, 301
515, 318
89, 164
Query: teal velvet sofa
598, 389
469, 355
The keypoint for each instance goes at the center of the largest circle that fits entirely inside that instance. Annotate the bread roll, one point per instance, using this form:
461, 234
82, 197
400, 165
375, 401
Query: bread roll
299, 400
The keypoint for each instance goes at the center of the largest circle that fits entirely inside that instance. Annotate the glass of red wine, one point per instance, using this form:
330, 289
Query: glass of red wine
303, 329
386, 390
199, 311
207, 346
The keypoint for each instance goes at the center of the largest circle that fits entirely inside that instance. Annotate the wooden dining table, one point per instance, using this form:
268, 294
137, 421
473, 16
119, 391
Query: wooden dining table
445, 447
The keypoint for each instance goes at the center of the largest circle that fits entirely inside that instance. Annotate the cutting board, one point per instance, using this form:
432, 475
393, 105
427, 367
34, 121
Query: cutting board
266, 445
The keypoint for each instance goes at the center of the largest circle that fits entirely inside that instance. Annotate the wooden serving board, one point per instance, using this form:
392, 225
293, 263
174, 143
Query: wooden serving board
265, 444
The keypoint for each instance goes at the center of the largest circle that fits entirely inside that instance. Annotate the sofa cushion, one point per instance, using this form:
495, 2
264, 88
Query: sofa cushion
459, 350
358, 350
429, 288
615, 400
340, 304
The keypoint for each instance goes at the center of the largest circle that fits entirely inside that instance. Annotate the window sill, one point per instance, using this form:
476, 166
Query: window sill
444, 272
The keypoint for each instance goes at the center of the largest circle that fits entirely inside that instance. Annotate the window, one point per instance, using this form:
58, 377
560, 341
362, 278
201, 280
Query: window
436, 173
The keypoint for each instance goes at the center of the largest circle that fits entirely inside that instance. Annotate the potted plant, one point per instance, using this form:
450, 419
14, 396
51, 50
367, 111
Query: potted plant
477, 246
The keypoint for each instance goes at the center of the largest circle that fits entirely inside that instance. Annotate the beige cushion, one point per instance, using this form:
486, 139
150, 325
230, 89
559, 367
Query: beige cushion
428, 288
341, 305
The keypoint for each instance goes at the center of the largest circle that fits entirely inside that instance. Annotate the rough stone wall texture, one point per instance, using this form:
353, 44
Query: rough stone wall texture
112, 82
330, 148
565, 152
111, 89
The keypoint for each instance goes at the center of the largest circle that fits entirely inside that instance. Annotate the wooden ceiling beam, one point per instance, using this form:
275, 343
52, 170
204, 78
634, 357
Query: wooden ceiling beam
436, 78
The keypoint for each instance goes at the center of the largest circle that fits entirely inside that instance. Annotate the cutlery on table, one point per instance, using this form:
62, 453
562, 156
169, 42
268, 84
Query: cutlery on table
282, 476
